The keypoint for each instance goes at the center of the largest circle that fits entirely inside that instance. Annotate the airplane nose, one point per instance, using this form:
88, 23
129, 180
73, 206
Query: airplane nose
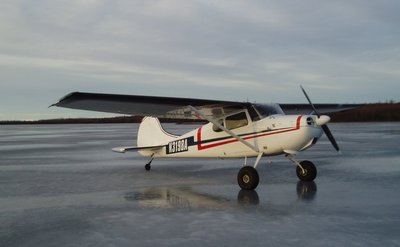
322, 120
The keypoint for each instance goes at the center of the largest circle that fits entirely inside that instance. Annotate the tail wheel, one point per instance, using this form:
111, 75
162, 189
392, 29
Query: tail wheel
248, 178
309, 171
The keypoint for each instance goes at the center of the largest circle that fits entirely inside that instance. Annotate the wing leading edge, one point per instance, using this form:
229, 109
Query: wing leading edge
137, 105
175, 108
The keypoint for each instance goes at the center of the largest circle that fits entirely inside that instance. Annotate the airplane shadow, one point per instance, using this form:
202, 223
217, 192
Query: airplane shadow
171, 197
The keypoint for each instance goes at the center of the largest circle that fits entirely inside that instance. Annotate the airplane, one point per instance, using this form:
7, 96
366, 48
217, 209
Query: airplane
233, 129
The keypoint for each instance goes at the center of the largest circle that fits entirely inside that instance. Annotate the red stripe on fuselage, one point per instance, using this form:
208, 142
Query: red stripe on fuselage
201, 147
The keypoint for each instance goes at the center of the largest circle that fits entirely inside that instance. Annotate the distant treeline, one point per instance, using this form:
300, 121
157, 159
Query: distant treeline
378, 112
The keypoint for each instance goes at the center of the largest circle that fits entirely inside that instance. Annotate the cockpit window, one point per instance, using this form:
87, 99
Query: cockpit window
236, 121
233, 122
268, 110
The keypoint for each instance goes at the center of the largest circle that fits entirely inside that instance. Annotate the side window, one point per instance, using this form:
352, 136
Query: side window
215, 128
236, 121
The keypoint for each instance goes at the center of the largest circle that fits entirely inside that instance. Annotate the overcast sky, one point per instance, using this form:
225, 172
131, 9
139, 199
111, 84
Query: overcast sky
341, 51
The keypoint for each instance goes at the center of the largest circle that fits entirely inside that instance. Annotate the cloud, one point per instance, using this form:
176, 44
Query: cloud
261, 50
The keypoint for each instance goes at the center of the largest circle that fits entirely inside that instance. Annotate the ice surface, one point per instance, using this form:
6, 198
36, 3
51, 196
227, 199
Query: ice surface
60, 185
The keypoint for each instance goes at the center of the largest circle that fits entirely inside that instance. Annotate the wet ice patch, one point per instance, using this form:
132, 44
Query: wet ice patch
379, 165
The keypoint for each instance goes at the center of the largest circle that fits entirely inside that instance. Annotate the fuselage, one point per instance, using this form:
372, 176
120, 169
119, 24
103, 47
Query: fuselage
272, 135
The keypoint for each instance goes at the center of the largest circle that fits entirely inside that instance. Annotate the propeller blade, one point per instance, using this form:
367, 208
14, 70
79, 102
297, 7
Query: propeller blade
328, 133
309, 101
325, 119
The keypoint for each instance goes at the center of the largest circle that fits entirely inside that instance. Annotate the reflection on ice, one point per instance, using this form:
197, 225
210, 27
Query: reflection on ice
248, 197
306, 190
166, 197
169, 197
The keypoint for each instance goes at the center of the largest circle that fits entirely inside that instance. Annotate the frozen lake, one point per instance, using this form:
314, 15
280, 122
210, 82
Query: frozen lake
61, 185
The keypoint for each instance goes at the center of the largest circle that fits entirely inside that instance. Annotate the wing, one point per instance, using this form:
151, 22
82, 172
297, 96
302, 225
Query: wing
322, 108
177, 108
163, 107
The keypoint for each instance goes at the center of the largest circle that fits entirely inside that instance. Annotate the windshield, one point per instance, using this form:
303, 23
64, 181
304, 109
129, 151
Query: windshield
266, 110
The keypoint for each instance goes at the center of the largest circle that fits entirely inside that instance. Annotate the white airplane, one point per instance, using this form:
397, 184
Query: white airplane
234, 129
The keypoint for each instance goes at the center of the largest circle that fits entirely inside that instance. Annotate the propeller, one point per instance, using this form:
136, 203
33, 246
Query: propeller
309, 101
323, 120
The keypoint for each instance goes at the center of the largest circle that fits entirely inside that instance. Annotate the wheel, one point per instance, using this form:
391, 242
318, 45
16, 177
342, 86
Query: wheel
147, 167
310, 172
248, 178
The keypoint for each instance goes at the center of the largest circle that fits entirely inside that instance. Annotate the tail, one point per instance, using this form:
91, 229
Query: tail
151, 133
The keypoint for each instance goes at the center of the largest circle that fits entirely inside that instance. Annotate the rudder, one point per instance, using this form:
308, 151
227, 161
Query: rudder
151, 133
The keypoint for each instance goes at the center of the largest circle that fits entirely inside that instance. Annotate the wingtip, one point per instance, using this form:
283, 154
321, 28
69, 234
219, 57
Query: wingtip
64, 98
55, 104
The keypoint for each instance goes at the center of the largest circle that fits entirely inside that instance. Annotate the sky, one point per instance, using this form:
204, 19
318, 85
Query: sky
343, 51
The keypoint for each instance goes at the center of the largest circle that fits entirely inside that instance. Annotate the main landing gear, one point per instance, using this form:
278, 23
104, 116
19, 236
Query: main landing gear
248, 178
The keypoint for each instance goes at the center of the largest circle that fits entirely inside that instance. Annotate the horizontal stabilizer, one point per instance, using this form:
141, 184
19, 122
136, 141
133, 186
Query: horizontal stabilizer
132, 148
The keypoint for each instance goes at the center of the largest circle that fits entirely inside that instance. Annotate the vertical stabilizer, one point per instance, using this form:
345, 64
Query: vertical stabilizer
151, 133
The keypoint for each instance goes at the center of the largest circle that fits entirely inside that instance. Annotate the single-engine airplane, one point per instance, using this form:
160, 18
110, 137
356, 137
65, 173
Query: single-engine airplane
234, 129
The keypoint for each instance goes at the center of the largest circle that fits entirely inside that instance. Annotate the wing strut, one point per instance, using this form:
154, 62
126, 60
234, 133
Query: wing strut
248, 144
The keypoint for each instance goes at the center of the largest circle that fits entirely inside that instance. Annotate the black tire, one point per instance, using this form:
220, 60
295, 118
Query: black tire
248, 178
147, 167
310, 171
